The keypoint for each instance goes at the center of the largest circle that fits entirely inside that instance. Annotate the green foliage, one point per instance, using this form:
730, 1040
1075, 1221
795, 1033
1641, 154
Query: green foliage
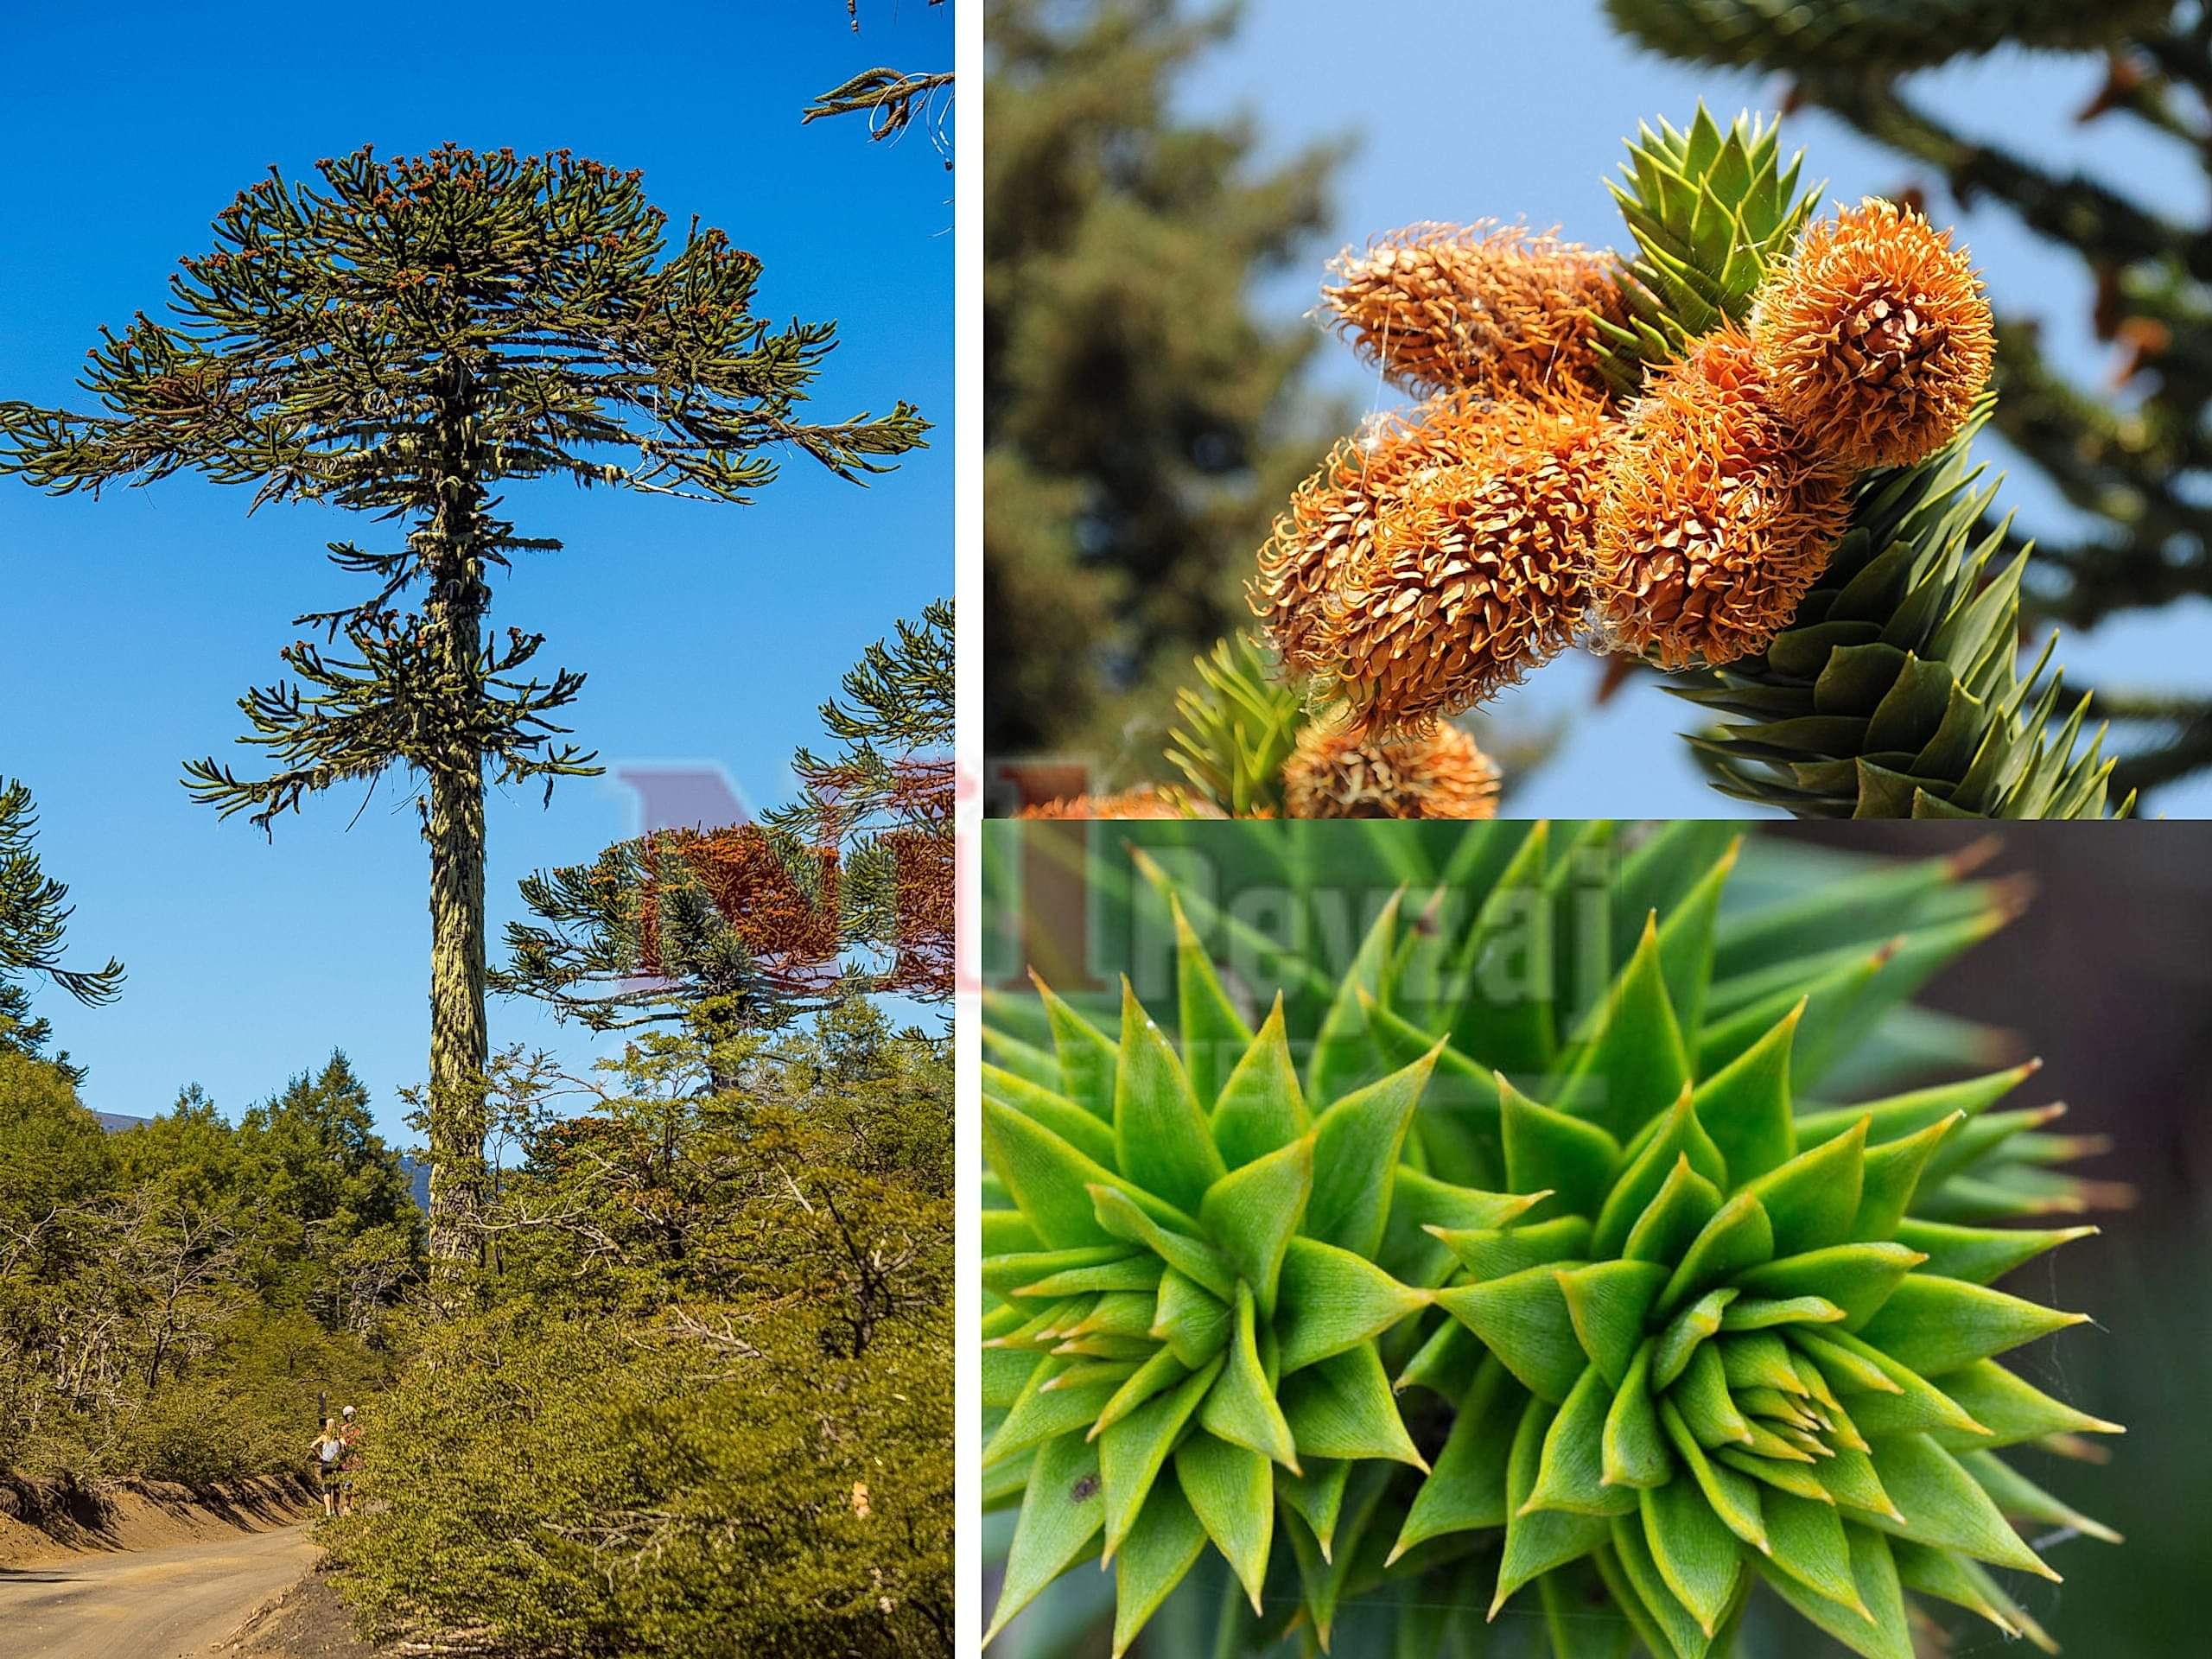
578, 1486
34, 917
1648, 1327
1237, 726
173, 1298
1134, 401
705, 1401
1711, 215
1898, 691
402, 338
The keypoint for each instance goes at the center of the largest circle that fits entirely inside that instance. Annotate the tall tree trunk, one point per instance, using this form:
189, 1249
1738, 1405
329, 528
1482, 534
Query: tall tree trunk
454, 826
459, 1041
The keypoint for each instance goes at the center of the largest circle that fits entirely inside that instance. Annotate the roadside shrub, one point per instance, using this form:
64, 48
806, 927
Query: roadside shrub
585, 1486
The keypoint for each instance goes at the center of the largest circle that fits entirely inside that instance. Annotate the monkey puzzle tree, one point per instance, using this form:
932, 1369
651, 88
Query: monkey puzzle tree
884, 800
34, 916
847, 890
403, 338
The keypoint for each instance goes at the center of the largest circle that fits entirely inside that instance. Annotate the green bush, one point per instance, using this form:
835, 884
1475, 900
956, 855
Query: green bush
580, 1486
175, 1298
704, 1404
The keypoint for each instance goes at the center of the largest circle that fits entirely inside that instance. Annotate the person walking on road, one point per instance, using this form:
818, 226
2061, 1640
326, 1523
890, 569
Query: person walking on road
349, 1461
328, 1449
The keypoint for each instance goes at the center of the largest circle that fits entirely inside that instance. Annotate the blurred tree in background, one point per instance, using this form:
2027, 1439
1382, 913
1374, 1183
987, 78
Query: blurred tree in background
2135, 455
1139, 434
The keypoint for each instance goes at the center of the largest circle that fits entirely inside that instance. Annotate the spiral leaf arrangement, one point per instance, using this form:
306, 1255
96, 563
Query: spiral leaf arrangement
1634, 1329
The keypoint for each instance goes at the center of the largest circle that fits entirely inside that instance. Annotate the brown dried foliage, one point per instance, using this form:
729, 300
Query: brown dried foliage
922, 854
1479, 572
1489, 308
748, 882
1147, 801
1716, 516
1437, 773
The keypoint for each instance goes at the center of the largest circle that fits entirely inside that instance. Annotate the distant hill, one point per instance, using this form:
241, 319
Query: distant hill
418, 1175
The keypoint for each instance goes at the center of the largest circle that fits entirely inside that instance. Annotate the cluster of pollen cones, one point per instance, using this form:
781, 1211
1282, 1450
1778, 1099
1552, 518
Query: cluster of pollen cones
1443, 551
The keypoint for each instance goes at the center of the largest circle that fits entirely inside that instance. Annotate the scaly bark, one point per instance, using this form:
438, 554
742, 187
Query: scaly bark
453, 546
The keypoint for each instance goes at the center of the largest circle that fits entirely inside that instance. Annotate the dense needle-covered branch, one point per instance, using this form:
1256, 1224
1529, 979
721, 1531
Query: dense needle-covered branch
395, 702
308, 345
35, 911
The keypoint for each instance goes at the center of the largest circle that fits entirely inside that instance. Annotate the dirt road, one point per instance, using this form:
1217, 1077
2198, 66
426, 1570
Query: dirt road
146, 1603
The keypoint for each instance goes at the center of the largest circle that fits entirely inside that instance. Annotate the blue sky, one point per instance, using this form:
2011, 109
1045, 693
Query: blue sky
1505, 111
709, 634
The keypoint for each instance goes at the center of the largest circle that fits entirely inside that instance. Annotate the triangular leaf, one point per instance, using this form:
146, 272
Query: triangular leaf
1523, 1319
1633, 1446
1609, 1302
1071, 1121
1342, 1054
1252, 1212
1696, 1555
1242, 1407
1062, 1512
1813, 1199
1086, 1055
1344, 1408
1934, 1325
1160, 1549
1887, 1635
1538, 1541
1332, 1300
1231, 1490
1857, 1278
1746, 1106
1190, 1320
1213, 1034
1545, 1149
1570, 1474
1166, 1144
1355, 1147
1132, 1452
1634, 1065
1944, 1505
1738, 1237
1809, 1545
1262, 1107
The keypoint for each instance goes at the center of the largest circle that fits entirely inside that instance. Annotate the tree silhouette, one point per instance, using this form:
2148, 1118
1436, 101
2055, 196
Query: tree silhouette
35, 915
